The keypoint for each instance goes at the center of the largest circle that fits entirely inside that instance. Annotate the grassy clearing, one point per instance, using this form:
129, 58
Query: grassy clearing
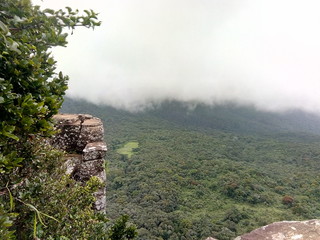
127, 149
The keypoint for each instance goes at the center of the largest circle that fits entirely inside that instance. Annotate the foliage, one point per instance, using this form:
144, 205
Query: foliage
6, 221
48, 204
192, 181
120, 231
37, 199
30, 89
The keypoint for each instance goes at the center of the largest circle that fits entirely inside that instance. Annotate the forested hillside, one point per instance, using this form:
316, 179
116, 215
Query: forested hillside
189, 173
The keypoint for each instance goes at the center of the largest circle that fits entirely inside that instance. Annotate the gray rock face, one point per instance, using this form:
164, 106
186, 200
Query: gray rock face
82, 137
76, 131
287, 230
100, 204
83, 171
72, 161
95, 150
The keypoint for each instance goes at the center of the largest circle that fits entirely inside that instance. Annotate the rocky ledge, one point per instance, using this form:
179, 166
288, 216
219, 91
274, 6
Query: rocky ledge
81, 136
286, 230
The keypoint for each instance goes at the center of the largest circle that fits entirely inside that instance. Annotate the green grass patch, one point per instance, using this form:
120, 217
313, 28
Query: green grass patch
128, 148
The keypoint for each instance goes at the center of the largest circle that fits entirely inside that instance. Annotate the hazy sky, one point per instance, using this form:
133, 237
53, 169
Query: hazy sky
264, 53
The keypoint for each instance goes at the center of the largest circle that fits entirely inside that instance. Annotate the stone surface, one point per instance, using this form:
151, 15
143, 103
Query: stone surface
83, 171
287, 230
94, 150
91, 131
70, 119
76, 131
82, 137
100, 204
72, 160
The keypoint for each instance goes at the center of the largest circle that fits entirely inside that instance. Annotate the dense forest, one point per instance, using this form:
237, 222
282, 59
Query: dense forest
185, 171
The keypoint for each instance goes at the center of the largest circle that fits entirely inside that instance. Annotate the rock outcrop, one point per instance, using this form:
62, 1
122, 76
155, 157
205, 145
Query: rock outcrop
286, 230
81, 136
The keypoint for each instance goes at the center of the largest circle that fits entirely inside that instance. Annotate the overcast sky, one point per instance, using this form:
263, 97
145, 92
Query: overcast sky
264, 53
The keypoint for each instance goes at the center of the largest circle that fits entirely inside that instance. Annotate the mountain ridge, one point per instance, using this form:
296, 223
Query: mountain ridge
225, 117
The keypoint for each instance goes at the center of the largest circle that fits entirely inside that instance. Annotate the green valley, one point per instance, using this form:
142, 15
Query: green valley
211, 171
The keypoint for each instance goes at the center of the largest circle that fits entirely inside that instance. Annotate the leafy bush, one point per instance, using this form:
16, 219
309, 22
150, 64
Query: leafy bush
46, 203
37, 198
288, 200
31, 92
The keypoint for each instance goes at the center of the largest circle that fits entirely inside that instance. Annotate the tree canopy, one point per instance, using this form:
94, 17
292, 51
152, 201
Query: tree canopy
191, 180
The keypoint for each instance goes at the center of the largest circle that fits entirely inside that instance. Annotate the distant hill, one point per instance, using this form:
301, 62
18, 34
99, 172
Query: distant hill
228, 118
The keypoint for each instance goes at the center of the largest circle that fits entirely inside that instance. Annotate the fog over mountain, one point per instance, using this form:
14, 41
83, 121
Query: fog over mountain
263, 53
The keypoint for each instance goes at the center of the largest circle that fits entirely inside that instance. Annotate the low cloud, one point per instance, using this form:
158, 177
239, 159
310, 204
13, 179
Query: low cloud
261, 53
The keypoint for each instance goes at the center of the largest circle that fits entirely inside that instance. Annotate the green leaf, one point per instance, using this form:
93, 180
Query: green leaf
48, 10
10, 135
12, 45
10, 197
3, 27
35, 226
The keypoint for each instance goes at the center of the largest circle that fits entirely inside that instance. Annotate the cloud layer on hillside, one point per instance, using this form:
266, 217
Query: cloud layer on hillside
262, 53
